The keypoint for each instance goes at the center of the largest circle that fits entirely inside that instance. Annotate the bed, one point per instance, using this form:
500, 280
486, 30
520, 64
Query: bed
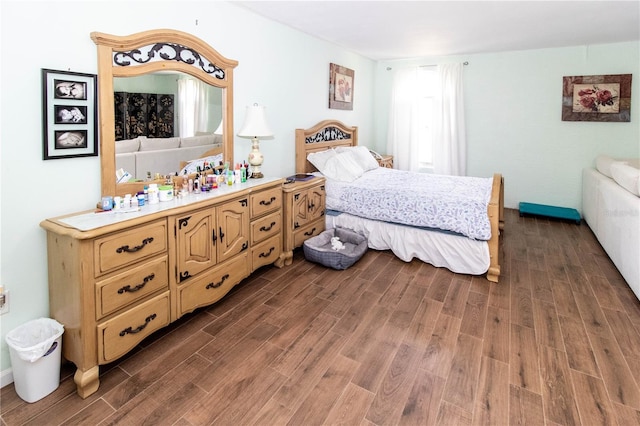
476, 254
611, 208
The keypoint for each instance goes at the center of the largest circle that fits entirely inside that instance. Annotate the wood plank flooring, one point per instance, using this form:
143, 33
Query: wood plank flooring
385, 342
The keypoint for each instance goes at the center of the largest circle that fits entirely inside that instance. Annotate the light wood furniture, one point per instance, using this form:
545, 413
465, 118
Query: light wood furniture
386, 161
171, 50
115, 278
304, 212
332, 133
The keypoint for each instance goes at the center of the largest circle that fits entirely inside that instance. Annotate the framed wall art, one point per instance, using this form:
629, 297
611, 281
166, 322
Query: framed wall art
341, 82
604, 98
69, 111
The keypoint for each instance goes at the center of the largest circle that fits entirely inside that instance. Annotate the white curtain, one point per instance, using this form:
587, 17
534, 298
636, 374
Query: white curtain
450, 145
402, 137
193, 107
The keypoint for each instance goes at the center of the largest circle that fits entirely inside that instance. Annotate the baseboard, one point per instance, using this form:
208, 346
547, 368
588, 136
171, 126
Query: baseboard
6, 377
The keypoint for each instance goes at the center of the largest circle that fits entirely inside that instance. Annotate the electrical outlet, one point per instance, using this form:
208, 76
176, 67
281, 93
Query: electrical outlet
5, 308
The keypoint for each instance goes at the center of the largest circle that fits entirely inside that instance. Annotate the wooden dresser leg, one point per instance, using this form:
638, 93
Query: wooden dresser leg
87, 381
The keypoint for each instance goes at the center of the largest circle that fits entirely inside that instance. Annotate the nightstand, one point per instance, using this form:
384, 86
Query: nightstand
386, 161
304, 208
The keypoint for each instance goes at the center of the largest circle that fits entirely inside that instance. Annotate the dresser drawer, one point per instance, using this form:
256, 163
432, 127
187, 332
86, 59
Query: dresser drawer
302, 234
266, 201
211, 285
131, 285
266, 227
266, 252
130, 246
122, 333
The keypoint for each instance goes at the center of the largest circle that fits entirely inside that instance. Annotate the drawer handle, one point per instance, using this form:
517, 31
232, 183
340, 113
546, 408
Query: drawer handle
129, 289
267, 203
216, 285
221, 234
268, 253
138, 329
309, 233
311, 205
267, 228
136, 248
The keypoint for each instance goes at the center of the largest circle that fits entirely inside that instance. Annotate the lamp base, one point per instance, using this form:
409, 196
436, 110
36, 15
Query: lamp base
255, 159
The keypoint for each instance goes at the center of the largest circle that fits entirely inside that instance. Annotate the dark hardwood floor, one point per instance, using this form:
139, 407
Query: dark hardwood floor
385, 342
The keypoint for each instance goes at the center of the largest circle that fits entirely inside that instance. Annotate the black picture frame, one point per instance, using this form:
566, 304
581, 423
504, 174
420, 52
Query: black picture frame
69, 114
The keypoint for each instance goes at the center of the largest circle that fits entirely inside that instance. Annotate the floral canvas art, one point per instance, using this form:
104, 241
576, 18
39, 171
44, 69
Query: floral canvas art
341, 80
604, 98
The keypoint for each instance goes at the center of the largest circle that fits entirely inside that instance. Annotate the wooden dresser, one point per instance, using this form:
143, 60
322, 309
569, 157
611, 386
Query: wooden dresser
115, 278
303, 213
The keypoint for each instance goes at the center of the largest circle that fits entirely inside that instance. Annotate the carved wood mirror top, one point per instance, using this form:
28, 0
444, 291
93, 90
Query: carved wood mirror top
147, 52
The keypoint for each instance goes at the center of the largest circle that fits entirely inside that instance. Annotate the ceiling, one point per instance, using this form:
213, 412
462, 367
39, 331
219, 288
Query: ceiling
408, 29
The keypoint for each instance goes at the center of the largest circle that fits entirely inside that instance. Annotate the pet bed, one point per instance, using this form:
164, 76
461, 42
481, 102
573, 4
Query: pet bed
319, 249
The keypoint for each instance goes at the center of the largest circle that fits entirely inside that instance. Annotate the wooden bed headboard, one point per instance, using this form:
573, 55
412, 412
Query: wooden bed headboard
325, 135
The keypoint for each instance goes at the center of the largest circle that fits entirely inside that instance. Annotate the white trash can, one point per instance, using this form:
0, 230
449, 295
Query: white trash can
35, 350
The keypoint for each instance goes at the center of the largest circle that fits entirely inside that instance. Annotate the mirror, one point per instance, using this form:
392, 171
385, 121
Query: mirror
156, 55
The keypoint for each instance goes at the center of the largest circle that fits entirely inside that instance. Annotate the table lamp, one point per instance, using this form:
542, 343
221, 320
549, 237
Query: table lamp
255, 126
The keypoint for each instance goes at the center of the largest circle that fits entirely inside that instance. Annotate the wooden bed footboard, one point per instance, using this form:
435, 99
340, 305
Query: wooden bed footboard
496, 218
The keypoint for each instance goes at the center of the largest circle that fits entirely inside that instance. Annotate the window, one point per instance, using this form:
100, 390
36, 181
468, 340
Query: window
427, 87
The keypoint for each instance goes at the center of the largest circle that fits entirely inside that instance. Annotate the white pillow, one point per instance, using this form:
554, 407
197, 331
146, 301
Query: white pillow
603, 164
153, 144
318, 159
127, 145
627, 177
361, 155
342, 167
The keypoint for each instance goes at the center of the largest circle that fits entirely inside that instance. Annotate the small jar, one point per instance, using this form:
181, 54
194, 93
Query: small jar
165, 193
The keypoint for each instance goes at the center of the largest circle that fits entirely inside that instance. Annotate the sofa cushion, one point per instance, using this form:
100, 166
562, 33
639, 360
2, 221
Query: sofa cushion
127, 145
197, 141
627, 177
153, 144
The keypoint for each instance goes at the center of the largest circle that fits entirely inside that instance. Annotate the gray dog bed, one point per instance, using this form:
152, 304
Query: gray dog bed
318, 249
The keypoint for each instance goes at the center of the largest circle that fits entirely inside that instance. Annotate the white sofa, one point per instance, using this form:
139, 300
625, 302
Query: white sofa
161, 155
611, 208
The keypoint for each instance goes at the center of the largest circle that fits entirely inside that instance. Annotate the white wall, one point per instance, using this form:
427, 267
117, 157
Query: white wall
278, 67
513, 113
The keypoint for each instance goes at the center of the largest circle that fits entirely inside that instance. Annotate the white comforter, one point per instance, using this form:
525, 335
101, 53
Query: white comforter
450, 203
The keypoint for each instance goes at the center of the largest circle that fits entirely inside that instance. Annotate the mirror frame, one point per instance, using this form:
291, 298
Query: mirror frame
193, 63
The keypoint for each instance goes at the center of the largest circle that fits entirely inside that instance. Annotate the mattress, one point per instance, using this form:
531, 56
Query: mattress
455, 252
